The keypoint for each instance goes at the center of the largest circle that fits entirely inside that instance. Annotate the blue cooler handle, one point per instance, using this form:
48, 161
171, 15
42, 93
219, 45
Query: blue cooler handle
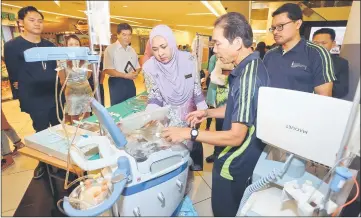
118, 186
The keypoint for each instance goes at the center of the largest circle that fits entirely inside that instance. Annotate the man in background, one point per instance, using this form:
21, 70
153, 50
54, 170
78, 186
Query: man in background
35, 80
326, 37
117, 60
295, 63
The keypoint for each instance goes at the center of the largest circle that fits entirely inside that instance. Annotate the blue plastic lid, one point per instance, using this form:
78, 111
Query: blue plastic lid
344, 172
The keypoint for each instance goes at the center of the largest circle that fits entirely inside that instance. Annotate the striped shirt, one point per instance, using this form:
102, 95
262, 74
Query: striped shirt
244, 81
302, 68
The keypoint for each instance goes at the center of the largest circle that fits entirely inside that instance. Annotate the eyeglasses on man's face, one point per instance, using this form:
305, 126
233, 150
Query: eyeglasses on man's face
279, 27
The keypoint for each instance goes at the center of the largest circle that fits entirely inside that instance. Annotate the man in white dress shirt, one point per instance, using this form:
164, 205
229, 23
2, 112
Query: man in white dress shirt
122, 66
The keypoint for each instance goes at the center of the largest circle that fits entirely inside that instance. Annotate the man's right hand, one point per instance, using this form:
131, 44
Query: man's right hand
196, 117
131, 76
16, 86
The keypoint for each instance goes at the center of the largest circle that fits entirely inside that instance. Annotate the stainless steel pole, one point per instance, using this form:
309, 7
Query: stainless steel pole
92, 51
346, 137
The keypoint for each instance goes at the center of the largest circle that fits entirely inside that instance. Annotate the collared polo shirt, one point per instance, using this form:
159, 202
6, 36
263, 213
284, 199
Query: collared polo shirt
116, 57
244, 81
302, 68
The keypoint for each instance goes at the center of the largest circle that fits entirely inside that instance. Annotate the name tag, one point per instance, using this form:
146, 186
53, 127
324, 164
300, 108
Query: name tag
188, 76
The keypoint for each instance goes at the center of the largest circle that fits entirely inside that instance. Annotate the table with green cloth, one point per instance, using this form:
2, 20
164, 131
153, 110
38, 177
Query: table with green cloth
124, 109
134, 105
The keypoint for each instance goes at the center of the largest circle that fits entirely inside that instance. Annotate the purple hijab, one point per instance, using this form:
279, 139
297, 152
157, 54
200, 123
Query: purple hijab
170, 78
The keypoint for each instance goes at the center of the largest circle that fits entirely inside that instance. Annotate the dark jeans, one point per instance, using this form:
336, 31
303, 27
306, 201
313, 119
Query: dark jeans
120, 90
42, 119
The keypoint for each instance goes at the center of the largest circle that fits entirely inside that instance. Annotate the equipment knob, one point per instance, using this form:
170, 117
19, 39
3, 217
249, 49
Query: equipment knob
136, 211
180, 185
161, 198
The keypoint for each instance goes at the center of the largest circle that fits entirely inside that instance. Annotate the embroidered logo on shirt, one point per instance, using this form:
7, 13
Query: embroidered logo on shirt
295, 65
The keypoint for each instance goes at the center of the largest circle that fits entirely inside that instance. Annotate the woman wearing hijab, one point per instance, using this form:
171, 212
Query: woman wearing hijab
173, 76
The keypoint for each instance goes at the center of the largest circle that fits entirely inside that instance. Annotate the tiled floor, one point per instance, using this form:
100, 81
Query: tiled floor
15, 180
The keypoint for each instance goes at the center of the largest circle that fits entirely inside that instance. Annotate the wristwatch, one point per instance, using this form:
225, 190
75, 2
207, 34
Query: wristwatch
194, 134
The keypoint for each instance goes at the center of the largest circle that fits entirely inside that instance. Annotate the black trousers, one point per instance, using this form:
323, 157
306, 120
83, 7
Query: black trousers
227, 194
42, 119
120, 90
219, 124
101, 89
209, 120
197, 154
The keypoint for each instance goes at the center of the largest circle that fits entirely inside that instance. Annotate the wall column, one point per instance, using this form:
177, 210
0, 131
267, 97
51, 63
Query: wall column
350, 49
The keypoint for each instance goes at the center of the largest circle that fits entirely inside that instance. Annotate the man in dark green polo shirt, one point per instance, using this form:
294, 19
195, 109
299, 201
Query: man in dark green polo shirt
237, 147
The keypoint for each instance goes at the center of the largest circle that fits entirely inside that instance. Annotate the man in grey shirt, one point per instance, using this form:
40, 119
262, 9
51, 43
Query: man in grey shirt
119, 60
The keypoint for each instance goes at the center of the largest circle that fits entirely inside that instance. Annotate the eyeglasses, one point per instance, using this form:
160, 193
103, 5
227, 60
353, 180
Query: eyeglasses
279, 27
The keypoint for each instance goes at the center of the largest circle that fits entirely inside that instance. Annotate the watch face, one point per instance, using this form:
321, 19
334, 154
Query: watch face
194, 132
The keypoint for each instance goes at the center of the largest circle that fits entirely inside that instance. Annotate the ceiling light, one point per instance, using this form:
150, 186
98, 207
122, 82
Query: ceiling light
48, 12
135, 18
206, 27
142, 26
125, 20
210, 8
125, 6
15, 6
180, 31
259, 31
195, 14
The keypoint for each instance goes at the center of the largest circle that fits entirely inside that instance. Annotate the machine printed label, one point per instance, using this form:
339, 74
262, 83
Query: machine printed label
188, 76
296, 129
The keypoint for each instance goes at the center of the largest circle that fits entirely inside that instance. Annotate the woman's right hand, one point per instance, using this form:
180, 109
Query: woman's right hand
196, 117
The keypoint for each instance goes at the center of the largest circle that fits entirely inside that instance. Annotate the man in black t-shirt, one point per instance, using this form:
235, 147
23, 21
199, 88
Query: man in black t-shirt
35, 80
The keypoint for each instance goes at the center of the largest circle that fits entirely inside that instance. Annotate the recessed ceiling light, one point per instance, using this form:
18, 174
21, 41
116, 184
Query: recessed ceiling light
210, 8
195, 14
135, 18
130, 21
180, 31
259, 31
206, 27
49, 12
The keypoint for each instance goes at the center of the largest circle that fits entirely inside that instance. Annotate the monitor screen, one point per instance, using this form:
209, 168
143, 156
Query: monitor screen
340, 32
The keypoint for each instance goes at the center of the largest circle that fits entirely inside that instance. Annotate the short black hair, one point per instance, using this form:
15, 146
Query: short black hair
25, 10
261, 45
235, 25
293, 11
124, 26
329, 31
